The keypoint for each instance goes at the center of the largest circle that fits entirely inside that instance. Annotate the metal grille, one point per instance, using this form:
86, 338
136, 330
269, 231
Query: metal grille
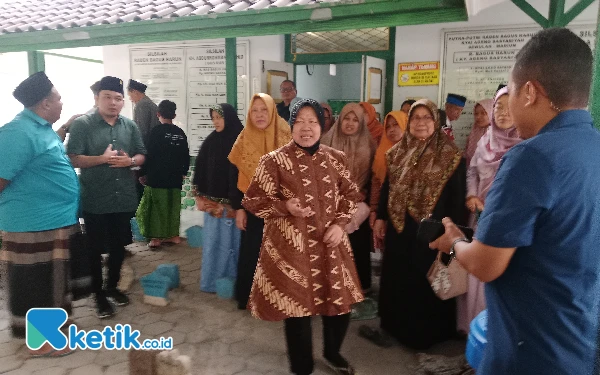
342, 41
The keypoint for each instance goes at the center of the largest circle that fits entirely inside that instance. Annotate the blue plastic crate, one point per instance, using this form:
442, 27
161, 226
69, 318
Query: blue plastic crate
155, 285
477, 340
171, 271
194, 236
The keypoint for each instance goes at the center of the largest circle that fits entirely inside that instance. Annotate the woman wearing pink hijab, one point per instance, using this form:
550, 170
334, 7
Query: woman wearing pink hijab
482, 114
500, 137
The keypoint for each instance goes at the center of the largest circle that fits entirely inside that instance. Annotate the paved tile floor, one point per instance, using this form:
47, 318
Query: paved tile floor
218, 337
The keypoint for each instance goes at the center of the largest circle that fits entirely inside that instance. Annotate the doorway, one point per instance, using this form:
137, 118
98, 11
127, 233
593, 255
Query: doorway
315, 81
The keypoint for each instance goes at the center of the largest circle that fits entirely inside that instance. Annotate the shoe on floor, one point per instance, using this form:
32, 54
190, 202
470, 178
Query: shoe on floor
117, 297
340, 366
103, 308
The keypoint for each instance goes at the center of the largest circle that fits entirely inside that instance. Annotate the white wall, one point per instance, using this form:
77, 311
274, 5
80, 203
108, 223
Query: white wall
350, 76
73, 79
321, 86
424, 42
270, 48
13, 70
116, 64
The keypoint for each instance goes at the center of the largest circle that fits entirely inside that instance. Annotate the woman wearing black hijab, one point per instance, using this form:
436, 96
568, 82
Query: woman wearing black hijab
215, 179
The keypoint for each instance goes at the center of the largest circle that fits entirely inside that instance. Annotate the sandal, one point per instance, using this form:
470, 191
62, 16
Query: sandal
375, 336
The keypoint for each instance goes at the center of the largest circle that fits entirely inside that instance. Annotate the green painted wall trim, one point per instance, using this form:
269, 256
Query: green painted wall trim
390, 66
531, 12
595, 95
576, 10
35, 60
231, 67
275, 21
556, 12
72, 57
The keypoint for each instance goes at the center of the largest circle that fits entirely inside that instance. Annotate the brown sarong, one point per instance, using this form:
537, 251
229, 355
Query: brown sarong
37, 272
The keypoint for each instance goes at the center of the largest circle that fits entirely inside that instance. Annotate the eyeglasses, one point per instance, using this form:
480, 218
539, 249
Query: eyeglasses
289, 89
501, 110
424, 118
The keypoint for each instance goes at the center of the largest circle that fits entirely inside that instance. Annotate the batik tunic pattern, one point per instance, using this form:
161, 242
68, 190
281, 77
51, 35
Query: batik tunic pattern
297, 274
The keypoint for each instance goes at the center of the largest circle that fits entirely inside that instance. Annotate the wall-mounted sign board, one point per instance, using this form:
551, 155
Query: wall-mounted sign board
475, 61
192, 76
419, 73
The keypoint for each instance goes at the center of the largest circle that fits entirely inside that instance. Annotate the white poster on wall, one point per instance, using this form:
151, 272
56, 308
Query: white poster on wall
163, 71
194, 77
476, 61
207, 86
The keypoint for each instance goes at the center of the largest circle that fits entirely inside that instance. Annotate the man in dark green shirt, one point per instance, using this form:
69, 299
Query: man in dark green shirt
106, 145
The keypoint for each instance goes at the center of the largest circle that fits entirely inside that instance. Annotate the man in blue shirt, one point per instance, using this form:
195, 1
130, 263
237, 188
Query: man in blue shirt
39, 200
537, 240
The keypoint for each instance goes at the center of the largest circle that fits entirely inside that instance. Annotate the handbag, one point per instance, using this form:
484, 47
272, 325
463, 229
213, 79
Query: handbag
81, 265
447, 281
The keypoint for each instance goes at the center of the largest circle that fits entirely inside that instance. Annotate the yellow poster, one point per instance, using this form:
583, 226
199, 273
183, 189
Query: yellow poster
419, 73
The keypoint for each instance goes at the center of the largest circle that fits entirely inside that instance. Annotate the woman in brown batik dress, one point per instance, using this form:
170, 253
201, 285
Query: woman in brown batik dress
305, 194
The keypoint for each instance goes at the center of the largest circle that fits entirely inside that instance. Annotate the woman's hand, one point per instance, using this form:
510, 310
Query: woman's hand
241, 219
379, 230
474, 204
372, 219
333, 236
293, 206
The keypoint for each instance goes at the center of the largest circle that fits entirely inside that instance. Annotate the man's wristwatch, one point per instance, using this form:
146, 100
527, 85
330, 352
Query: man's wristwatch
65, 128
133, 162
452, 252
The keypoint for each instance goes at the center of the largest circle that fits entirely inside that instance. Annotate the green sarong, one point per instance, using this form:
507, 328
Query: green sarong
158, 214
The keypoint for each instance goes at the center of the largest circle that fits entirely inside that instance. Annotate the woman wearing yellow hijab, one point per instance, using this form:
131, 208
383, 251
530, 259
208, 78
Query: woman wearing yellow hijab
264, 132
394, 127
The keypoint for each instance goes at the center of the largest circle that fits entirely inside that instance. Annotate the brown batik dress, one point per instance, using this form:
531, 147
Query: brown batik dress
297, 274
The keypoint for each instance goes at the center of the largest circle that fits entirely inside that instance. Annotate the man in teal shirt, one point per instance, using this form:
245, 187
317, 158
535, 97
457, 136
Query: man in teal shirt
106, 145
39, 199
